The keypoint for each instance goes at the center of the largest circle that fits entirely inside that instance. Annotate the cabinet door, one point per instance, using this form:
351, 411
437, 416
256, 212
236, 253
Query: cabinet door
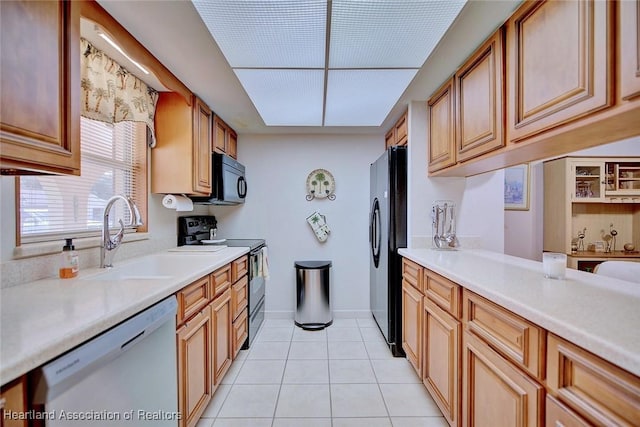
194, 367
401, 130
222, 342
587, 181
412, 325
40, 86
232, 144
480, 99
13, 398
441, 368
496, 393
202, 147
390, 139
442, 128
629, 36
219, 135
559, 69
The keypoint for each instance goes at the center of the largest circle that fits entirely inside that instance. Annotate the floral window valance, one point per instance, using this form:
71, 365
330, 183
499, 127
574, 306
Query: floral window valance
112, 94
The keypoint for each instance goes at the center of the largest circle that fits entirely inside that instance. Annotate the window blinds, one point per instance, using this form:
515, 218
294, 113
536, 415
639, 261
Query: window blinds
113, 162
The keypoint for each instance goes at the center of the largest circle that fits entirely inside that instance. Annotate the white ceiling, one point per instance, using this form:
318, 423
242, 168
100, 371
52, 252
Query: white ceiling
175, 34
326, 62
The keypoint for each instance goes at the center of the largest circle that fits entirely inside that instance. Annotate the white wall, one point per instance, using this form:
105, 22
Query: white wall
479, 199
276, 210
162, 234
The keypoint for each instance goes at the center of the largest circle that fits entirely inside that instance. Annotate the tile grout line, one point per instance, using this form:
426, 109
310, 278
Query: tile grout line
386, 407
286, 362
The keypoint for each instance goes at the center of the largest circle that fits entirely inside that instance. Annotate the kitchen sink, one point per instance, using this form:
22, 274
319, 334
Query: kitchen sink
154, 267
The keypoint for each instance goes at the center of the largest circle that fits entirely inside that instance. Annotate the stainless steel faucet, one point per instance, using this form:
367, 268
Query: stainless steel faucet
111, 244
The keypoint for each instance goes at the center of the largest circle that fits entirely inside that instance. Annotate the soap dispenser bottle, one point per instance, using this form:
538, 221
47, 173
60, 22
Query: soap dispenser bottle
68, 261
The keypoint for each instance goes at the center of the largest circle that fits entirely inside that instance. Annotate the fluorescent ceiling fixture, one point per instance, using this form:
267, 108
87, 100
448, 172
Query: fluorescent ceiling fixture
384, 34
285, 97
326, 62
363, 97
268, 33
119, 49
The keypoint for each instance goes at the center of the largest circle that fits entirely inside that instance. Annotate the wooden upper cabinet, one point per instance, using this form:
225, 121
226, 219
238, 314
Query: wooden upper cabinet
202, 125
182, 157
400, 130
441, 112
390, 139
225, 139
629, 53
559, 64
40, 87
480, 100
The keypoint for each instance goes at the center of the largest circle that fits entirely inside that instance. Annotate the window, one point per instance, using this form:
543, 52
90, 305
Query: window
113, 162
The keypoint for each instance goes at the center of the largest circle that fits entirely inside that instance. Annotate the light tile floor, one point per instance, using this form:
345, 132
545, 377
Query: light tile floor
343, 376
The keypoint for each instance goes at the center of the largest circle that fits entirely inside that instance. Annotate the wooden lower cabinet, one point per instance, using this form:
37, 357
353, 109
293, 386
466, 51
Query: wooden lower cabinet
558, 415
595, 389
441, 360
13, 399
221, 342
240, 331
195, 386
412, 325
496, 393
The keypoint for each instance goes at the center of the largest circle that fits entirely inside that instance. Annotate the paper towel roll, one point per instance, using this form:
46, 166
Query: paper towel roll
179, 203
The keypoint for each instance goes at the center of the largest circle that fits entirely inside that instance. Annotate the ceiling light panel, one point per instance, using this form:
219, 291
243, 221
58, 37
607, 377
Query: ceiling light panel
268, 33
285, 97
388, 33
363, 97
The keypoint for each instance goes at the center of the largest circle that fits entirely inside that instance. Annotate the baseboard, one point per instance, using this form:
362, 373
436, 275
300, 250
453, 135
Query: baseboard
337, 314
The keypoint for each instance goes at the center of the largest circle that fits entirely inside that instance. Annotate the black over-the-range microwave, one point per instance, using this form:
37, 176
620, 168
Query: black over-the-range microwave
228, 184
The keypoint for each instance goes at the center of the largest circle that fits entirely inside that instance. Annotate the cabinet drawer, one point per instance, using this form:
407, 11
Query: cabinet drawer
556, 414
515, 338
412, 273
239, 268
597, 390
443, 292
239, 296
192, 298
240, 331
220, 280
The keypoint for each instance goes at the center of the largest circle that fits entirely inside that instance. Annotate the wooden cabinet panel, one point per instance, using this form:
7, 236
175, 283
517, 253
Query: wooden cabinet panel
13, 398
443, 292
40, 87
222, 342
412, 273
192, 299
182, 157
202, 124
550, 87
194, 367
239, 268
220, 280
515, 338
595, 389
558, 415
219, 135
441, 112
240, 331
441, 354
239, 296
412, 325
495, 393
629, 53
401, 130
232, 147
479, 100
390, 139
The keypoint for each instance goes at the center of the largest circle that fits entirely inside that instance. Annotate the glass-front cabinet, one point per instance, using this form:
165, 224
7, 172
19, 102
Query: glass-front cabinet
623, 178
588, 181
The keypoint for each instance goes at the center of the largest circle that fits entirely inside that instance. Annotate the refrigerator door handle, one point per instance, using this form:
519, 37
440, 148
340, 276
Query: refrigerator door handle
375, 233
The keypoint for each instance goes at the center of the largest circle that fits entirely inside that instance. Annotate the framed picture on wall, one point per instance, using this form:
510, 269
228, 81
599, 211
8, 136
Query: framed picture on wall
516, 188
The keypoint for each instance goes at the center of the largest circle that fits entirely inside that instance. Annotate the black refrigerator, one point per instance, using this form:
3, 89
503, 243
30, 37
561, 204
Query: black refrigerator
388, 233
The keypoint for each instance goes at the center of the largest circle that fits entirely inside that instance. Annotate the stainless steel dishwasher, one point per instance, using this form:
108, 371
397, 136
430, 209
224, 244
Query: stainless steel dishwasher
124, 377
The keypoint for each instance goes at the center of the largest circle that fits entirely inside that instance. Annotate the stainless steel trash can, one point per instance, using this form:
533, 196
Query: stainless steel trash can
313, 307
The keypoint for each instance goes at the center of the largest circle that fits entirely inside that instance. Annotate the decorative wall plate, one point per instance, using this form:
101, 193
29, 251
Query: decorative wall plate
320, 184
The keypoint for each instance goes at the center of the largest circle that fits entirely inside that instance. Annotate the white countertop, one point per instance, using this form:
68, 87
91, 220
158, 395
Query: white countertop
41, 320
597, 313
